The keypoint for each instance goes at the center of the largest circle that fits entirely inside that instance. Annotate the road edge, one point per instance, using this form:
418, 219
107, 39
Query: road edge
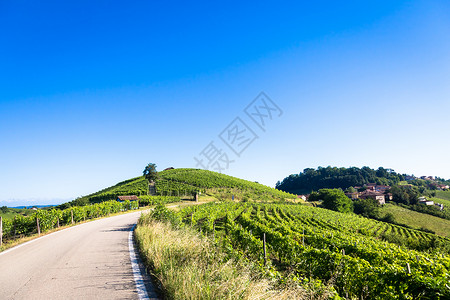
137, 274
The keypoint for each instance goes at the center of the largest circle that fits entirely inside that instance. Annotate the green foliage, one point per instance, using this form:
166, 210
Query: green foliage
443, 195
49, 219
332, 177
405, 194
404, 215
368, 208
361, 258
334, 199
201, 180
152, 200
4, 209
150, 172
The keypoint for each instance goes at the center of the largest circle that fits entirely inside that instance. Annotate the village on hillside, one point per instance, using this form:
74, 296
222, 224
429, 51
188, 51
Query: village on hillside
381, 193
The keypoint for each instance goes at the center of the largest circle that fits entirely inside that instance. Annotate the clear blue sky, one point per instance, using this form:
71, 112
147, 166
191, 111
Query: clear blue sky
91, 91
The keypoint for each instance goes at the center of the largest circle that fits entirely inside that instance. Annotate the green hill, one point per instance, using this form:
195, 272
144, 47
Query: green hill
333, 177
183, 182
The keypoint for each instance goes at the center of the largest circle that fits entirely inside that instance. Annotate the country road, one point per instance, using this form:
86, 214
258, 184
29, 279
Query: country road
88, 261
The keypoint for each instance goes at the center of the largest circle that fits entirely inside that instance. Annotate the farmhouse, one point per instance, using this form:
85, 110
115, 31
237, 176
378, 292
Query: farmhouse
424, 200
374, 195
130, 198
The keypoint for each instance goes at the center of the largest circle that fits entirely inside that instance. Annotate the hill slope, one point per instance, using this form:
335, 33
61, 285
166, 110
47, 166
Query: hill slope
183, 182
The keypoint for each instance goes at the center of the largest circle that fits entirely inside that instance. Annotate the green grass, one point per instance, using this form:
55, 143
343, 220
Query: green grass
442, 201
12, 212
443, 195
418, 220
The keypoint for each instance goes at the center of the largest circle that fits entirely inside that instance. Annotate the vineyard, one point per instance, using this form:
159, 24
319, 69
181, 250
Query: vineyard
44, 220
184, 182
361, 258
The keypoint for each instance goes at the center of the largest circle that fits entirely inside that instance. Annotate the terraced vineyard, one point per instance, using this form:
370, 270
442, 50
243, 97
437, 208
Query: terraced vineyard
181, 182
361, 258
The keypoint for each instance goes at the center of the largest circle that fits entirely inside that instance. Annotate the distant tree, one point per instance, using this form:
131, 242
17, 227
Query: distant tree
350, 190
150, 172
405, 194
367, 207
314, 196
335, 199
363, 188
333, 177
4, 209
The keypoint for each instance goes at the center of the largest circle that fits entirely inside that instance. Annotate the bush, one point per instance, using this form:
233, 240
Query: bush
334, 199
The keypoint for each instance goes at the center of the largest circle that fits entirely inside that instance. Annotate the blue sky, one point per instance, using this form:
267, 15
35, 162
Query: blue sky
92, 92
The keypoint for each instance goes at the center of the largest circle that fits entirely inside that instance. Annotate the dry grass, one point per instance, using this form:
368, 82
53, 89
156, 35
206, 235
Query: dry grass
189, 266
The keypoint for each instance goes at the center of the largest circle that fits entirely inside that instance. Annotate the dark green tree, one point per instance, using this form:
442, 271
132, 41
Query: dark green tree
367, 207
4, 209
405, 194
335, 199
150, 172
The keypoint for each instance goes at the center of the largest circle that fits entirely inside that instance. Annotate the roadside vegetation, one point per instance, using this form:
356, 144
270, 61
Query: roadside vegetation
190, 265
209, 251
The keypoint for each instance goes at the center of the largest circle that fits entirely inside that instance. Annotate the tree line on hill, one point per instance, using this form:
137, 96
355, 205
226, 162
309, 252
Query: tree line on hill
328, 185
332, 177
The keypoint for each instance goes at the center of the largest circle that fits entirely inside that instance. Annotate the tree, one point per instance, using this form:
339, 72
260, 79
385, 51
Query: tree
350, 190
150, 172
405, 194
367, 208
4, 209
335, 199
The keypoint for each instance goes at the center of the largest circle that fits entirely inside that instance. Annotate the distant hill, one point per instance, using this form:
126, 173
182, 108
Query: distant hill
30, 206
333, 177
180, 182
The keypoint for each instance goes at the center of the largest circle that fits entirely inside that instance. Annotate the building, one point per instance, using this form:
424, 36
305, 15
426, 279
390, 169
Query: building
374, 195
352, 196
303, 197
424, 200
129, 198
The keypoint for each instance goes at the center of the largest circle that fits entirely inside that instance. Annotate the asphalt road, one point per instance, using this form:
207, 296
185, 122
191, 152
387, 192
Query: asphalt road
88, 261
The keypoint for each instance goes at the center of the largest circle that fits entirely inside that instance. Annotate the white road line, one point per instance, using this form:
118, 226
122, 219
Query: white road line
140, 286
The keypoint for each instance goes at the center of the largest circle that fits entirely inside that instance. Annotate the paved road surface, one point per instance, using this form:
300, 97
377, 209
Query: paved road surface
88, 261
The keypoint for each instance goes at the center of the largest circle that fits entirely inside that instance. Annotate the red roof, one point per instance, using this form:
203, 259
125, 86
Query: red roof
131, 198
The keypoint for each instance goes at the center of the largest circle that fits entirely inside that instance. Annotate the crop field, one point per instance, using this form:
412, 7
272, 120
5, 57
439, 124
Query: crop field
181, 182
361, 258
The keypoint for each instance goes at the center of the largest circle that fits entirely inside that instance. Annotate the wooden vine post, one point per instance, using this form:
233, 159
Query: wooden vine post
264, 247
38, 227
71, 214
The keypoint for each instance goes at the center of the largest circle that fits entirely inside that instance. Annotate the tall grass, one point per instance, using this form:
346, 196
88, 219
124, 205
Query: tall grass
189, 266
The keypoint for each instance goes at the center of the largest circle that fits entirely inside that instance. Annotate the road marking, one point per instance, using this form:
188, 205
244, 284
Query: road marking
140, 286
